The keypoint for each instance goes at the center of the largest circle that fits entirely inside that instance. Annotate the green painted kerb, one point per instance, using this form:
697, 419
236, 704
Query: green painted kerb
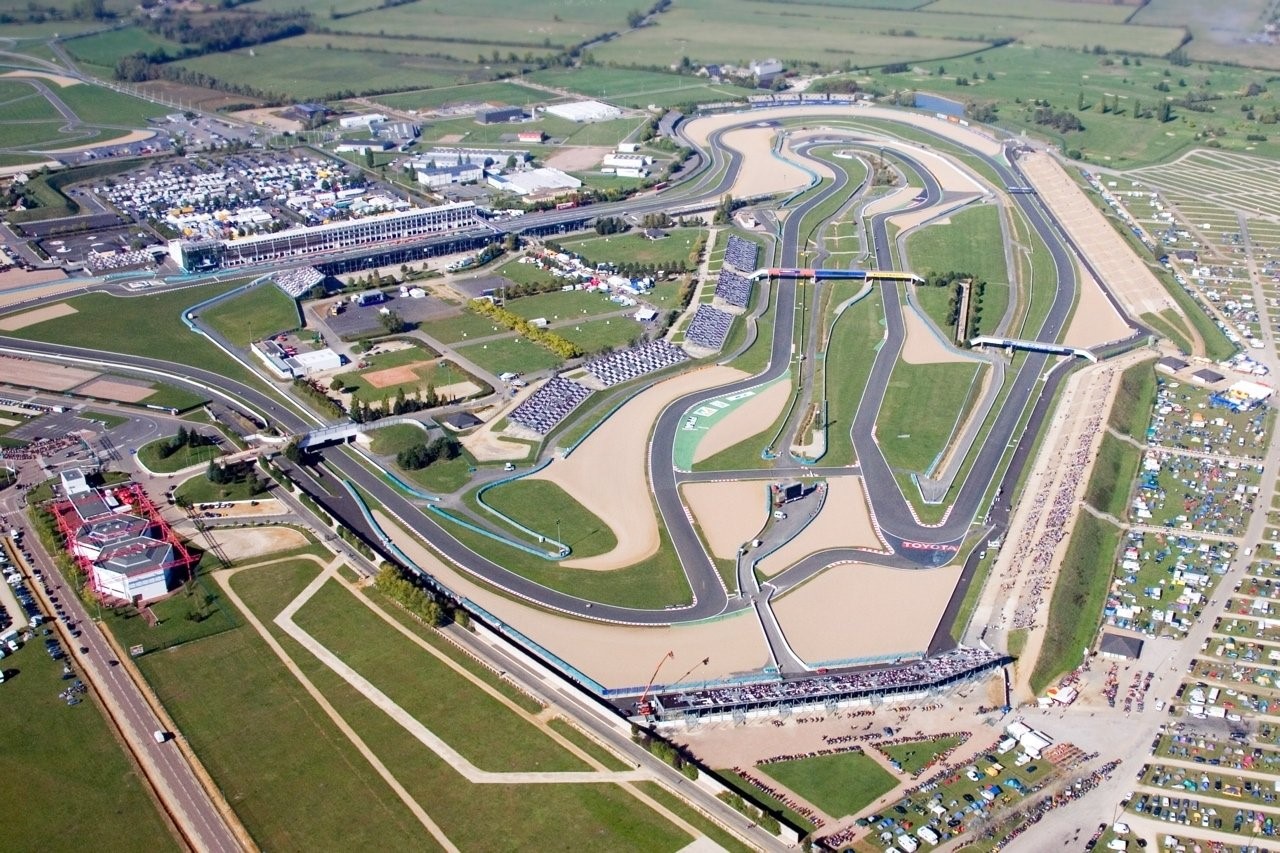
702, 417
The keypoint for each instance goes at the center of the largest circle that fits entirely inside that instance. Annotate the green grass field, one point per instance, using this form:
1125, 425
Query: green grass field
197, 611
913, 756
463, 327
601, 335
262, 312
914, 437
1075, 611
428, 369
444, 476
635, 248
631, 87
183, 457
69, 778
539, 505
483, 730
110, 323
96, 105
560, 305
510, 355
106, 48
841, 784
107, 419
200, 489
264, 741
390, 440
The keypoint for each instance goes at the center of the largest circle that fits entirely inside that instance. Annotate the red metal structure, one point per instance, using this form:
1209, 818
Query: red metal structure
134, 499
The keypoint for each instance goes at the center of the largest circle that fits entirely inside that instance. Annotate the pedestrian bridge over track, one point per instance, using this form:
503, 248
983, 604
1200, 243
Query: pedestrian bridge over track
1034, 346
348, 431
854, 275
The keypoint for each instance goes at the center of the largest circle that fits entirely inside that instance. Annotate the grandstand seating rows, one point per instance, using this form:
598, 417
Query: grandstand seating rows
709, 327
298, 281
742, 254
636, 361
549, 405
733, 288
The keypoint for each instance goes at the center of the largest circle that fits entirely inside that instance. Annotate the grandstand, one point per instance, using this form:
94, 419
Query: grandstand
742, 254
627, 364
374, 231
918, 676
549, 405
709, 327
733, 289
296, 282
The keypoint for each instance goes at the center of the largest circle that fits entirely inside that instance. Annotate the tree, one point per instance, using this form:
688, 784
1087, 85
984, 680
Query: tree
368, 158
635, 18
393, 322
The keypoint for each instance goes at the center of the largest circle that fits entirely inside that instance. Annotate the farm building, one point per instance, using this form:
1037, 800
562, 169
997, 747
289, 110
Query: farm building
584, 111
443, 176
498, 115
122, 544
361, 121
535, 182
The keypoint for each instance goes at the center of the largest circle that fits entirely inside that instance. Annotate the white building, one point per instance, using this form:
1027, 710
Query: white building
462, 173
361, 121
626, 160
317, 361
535, 182
584, 111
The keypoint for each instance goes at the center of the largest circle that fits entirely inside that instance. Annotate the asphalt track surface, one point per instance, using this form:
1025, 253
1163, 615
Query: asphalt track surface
899, 526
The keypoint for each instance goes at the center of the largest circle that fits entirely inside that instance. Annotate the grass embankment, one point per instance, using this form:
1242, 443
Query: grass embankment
1131, 412
653, 583
68, 777
851, 350
259, 313
200, 489
1167, 323
545, 507
1075, 611
841, 784
393, 438
1114, 471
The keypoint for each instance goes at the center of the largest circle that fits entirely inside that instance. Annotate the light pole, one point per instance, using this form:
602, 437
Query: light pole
559, 541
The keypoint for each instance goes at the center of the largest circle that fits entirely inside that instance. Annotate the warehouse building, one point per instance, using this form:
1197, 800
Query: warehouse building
361, 122
535, 183
498, 115
584, 111
443, 176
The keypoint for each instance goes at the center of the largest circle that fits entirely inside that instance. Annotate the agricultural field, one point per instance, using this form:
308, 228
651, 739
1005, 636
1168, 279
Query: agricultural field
634, 88
301, 72
496, 93
861, 37
1102, 92
104, 49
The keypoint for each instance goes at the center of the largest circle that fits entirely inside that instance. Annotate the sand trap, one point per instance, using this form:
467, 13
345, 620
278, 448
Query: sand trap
729, 513
35, 374
62, 81
844, 522
761, 172
608, 471
1095, 321
614, 655
458, 390
450, 139
244, 542
392, 375
1127, 276
113, 389
971, 137
900, 197
745, 421
136, 136
30, 318
922, 345
857, 610
577, 158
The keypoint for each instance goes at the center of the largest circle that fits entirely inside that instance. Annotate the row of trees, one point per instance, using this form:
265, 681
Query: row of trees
562, 347
421, 455
363, 412
184, 438
392, 583
612, 225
